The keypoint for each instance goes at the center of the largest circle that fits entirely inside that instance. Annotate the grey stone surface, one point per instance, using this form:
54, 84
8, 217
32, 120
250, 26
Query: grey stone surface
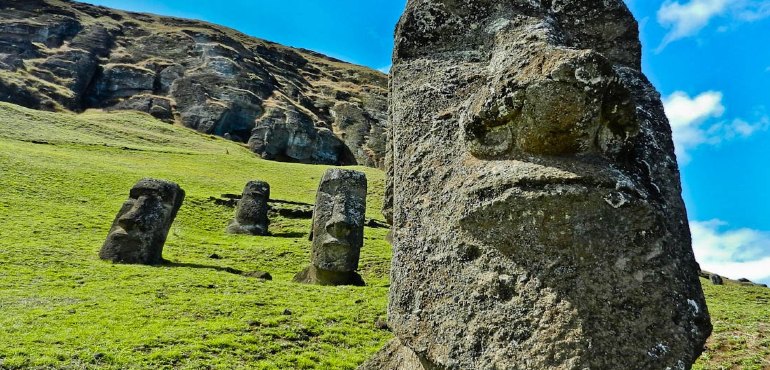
140, 229
251, 211
157, 106
262, 275
290, 135
337, 230
537, 211
301, 105
397, 356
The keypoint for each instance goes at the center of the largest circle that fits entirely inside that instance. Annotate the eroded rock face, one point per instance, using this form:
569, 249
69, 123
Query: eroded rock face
66, 55
139, 231
251, 212
538, 221
338, 229
289, 135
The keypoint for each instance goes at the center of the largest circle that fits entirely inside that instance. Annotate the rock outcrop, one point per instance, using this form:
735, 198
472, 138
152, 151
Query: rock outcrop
140, 229
537, 213
288, 104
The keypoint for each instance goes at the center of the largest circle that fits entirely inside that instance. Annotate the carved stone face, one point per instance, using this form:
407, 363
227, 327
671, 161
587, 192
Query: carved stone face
338, 220
139, 231
251, 213
538, 220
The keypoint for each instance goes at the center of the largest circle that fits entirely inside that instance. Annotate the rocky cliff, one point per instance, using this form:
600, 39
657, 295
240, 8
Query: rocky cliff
287, 104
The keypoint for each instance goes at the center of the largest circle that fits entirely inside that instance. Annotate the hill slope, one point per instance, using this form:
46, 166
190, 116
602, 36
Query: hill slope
288, 104
62, 307
64, 177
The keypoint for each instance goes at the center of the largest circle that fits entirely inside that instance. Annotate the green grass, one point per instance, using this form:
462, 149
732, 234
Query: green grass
741, 318
63, 308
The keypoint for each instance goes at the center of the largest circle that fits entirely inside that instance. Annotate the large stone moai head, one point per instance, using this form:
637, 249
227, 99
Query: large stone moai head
251, 212
538, 221
139, 231
338, 229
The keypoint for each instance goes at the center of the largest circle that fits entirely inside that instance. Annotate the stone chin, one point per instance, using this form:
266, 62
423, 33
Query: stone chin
123, 246
333, 254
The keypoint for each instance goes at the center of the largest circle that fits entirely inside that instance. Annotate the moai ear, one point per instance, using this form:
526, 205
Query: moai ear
312, 225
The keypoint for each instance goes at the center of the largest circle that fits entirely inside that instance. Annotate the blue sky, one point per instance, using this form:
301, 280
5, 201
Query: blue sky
709, 58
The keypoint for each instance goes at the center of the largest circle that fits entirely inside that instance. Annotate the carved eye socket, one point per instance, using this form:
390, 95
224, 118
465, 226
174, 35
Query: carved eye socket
167, 198
541, 119
574, 107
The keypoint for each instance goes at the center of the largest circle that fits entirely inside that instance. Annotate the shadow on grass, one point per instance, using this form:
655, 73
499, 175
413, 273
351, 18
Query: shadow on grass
199, 266
289, 234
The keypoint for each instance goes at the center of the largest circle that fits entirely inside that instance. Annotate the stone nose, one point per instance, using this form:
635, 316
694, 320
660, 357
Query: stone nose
133, 217
339, 225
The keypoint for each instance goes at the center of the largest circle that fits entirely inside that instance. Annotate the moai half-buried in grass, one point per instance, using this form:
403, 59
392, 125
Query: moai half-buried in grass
338, 229
537, 210
140, 229
251, 211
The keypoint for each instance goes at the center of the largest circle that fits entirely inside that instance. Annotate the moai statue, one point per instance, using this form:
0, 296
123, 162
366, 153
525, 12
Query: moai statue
139, 231
338, 230
251, 212
537, 211
716, 279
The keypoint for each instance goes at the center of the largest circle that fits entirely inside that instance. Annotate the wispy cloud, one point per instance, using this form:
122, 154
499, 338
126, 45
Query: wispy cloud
734, 253
385, 69
692, 122
687, 19
753, 10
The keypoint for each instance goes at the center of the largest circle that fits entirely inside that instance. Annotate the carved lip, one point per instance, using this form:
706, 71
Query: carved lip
122, 235
119, 232
334, 242
484, 197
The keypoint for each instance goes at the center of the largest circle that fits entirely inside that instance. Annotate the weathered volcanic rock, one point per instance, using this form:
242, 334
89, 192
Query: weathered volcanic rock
716, 279
289, 135
289, 104
538, 218
251, 212
157, 106
140, 229
338, 229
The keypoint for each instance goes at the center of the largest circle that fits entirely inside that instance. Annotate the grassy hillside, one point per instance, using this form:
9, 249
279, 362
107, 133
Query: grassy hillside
63, 178
61, 307
741, 318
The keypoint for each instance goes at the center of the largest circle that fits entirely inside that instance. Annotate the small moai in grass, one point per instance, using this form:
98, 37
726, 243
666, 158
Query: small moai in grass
251, 212
716, 279
140, 229
338, 230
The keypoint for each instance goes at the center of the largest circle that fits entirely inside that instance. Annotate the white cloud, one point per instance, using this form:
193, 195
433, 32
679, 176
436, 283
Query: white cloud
687, 19
734, 253
751, 11
689, 118
385, 69
687, 115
